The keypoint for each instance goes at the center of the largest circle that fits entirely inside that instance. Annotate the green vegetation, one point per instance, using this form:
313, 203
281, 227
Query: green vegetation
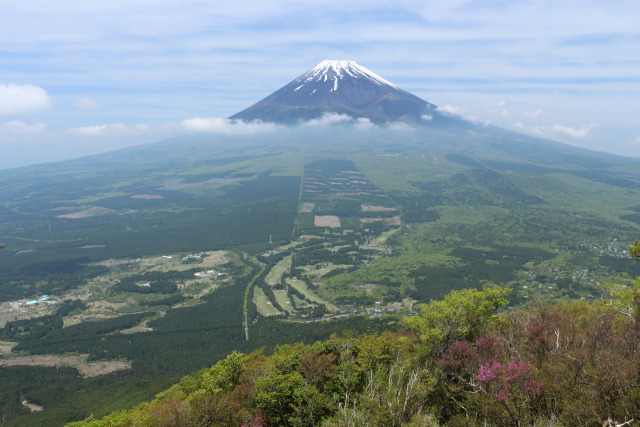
310, 232
458, 364
263, 305
275, 274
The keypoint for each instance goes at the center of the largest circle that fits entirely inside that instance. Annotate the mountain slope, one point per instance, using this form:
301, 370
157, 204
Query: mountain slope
341, 87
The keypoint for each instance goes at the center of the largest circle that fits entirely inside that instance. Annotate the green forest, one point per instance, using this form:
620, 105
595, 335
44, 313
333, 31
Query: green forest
463, 360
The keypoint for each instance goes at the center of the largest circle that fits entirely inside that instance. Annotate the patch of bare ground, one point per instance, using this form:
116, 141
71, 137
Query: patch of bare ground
395, 220
87, 369
373, 208
32, 406
178, 184
113, 262
7, 346
86, 213
306, 207
141, 327
217, 257
331, 221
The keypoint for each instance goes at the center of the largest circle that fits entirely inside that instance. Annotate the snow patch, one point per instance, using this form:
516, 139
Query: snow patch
343, 68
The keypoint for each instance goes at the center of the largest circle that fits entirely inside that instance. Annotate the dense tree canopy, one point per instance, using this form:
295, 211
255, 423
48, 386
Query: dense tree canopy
634, 250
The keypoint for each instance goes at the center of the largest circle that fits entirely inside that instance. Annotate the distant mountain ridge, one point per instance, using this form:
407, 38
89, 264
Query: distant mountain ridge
339, 87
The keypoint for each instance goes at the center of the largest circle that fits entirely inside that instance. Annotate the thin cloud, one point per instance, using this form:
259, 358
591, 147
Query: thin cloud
556, 131
451, 109
574, 132
226, 126
86, 104
398, 126
20, 128
531, 130
335, 119
329, 119
364, 124
23, 99
533, 114
500, 103
110, 129
90, 130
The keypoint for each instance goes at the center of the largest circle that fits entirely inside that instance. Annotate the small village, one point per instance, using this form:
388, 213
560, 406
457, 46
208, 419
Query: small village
26, 305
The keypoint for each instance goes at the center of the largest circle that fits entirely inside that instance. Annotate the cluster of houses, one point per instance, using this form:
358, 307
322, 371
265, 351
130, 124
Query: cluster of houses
23, 305
186, 257
208, 273
272, 252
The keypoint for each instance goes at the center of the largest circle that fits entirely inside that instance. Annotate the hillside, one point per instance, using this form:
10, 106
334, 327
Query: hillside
457, 363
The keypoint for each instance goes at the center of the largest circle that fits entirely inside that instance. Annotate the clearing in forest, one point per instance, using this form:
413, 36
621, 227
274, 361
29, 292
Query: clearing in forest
87, 369
302, 287
86, 213
6, 346
306, 207
331, 221
275, 275
391, 222
322, 269
372, 208
264, 306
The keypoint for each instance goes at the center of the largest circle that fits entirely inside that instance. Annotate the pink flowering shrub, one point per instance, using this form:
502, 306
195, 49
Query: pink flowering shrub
458, 356
512, 381
462, 357
502, 389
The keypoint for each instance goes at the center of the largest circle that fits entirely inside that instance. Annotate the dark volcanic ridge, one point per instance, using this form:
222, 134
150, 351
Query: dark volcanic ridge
340, 87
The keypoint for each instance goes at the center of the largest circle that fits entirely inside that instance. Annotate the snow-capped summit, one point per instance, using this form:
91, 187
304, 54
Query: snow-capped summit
338, 69
342, 87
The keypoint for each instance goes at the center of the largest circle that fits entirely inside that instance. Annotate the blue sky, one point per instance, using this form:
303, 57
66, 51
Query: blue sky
79, 78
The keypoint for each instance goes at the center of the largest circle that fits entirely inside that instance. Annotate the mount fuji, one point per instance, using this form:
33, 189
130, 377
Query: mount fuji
340, 87
347, 88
